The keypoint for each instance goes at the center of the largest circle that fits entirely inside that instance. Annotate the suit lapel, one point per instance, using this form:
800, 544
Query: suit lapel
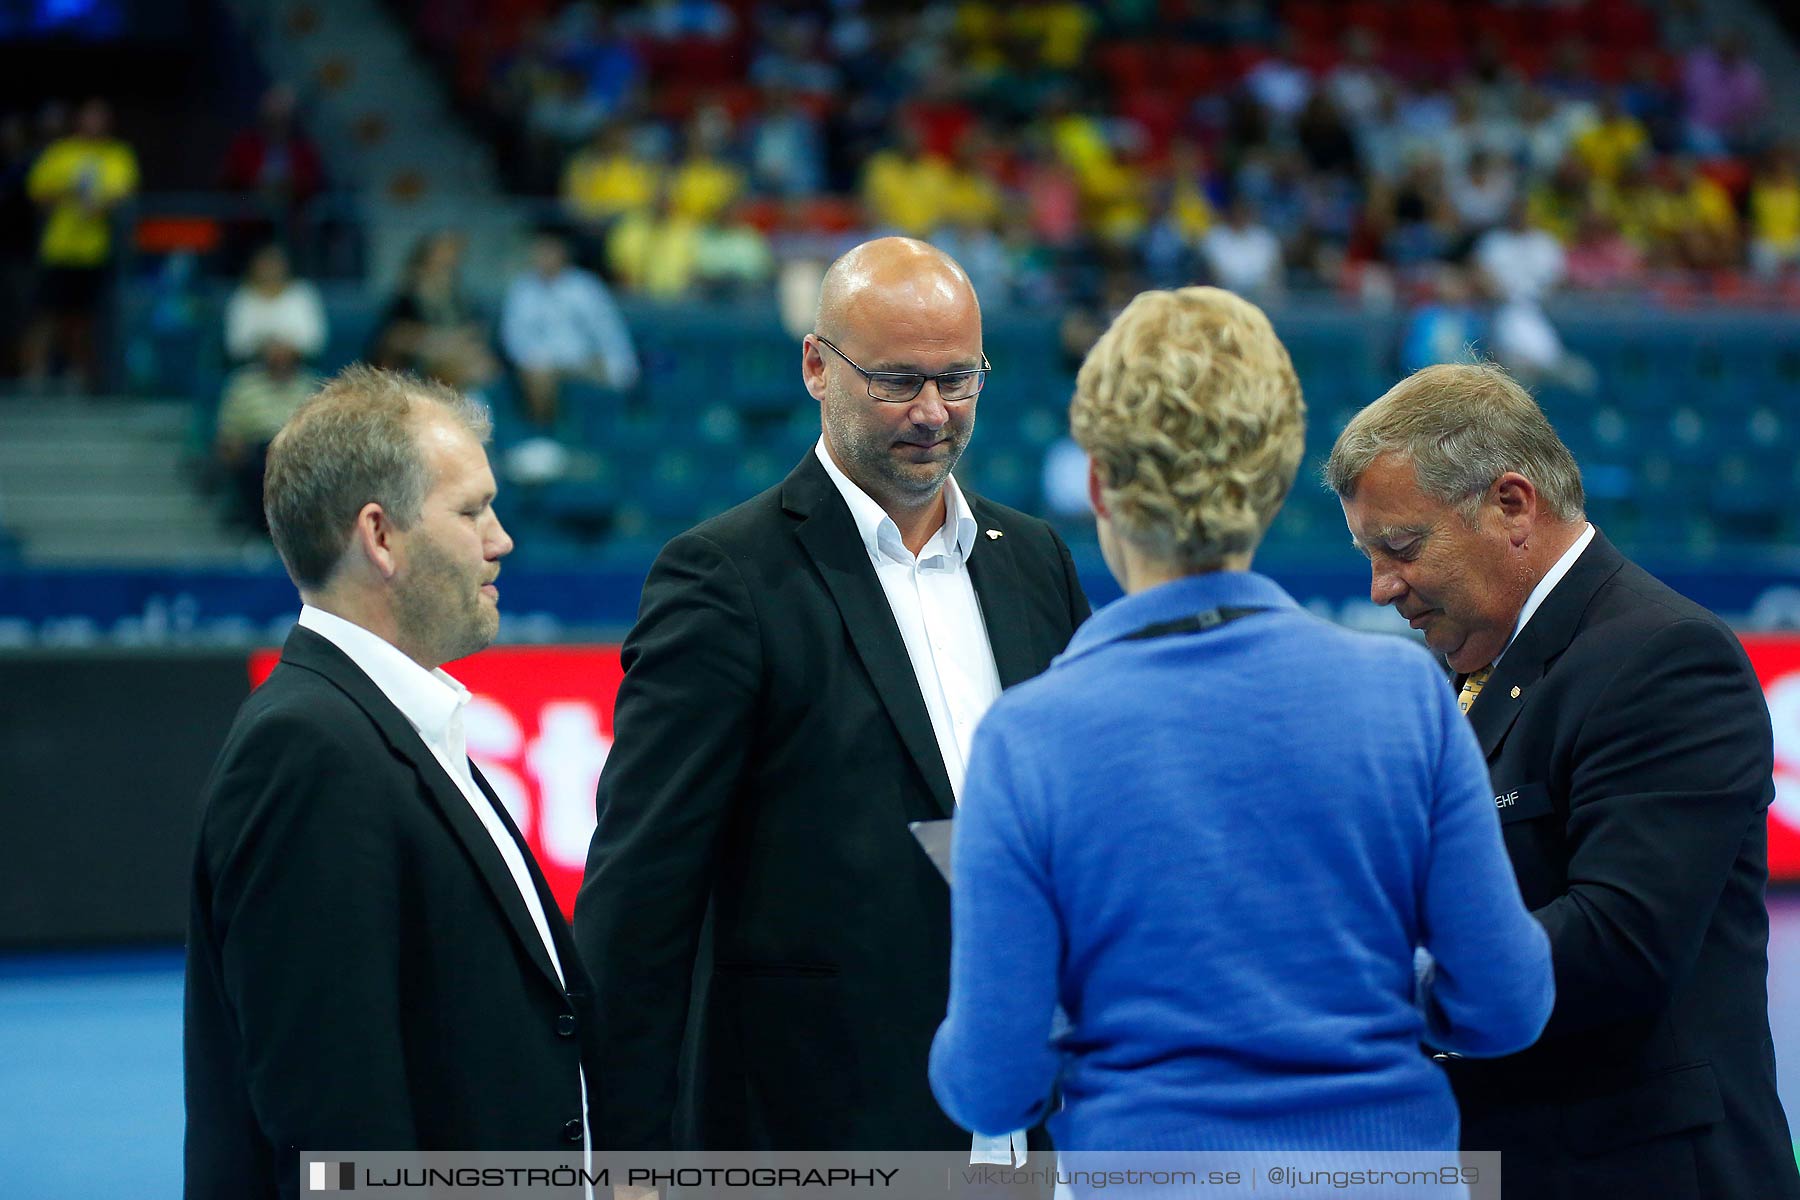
828, 534
1551, 628
307, 649
995, 573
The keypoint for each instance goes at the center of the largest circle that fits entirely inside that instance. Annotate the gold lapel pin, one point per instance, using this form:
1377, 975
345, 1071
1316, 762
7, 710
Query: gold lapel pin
1515, 691
994, 534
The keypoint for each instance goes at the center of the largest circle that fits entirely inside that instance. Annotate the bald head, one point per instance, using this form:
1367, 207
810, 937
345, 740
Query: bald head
890, 275
895, 307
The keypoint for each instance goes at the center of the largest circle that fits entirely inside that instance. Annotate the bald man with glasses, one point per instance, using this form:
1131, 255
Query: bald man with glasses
803, 681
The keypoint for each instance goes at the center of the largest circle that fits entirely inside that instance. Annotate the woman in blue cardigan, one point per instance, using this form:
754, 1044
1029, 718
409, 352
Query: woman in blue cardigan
1251, 855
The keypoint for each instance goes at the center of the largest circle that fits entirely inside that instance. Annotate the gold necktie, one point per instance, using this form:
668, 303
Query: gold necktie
1471, 688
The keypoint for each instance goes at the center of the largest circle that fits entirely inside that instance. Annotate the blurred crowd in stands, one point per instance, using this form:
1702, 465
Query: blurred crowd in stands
1466, 161
1352, 145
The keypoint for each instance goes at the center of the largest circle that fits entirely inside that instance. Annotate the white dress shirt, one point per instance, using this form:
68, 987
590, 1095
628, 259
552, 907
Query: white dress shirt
934, 604
1545, 586
433, 704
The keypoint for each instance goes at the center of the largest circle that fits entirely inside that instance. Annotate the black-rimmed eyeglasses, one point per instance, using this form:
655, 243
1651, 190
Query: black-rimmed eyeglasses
900, 387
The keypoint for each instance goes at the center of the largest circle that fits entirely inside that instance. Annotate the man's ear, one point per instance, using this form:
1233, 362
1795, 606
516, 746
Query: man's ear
1096, 492
1519, 504
812, 367
373, 539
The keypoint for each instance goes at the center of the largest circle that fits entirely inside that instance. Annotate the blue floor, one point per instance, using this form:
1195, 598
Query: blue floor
90, 1066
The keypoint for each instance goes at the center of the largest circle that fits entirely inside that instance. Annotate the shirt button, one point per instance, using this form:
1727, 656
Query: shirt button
565, 1025
572, 1130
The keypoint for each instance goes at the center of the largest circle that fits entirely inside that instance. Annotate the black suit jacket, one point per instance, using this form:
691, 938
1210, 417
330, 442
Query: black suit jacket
362, 972
771, 747
1630, 751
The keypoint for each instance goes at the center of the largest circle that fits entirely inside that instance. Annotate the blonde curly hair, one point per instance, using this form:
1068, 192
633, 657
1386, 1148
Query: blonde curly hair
1191, 412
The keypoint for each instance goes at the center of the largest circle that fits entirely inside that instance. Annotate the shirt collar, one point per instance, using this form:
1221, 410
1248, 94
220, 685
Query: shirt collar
432, 701
881, 537
1171, 601
1545, 586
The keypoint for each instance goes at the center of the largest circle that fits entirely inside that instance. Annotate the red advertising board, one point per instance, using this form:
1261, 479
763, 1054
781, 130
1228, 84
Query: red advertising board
1777, 659
541, 725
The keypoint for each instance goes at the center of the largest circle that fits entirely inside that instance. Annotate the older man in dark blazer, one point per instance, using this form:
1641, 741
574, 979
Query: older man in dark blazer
1630, 753
374, 962
802, 682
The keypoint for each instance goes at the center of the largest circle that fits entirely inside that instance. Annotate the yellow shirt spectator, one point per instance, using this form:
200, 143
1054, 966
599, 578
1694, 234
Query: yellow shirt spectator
978, 30
1060, 30
1705, 204
905, 192
1609, 146
654, 255
968, 196
1775, 211
598, 186
80, 179
705, 187
1192, 211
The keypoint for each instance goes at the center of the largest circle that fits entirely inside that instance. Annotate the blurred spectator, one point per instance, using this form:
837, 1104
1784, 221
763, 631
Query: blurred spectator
1523, 265
607, 178
791, 59
1482, 194
655, 251
733, 259
1356, 84
1242, 255
1473, 133
1051, 193
1520, 260
271, 305
429, 326
562, 113
274, 159
559, 321
77, 181
1384, 146
1692, 217
1653, 102
1112, 191
1613, 142
1570, 75
1558, 203
1775, 213
676, 20
1447, 327
1422, 225
1726, 97
1280, 85
705, 183
586, 43
18, 228
259, 398
902, 186
972, 195
787, 154
1324, 136
1546, 128
1057, 30
968, 237
1600, 258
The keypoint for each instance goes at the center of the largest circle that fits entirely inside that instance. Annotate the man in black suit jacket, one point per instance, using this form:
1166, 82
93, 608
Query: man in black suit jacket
374, 962
801, 682
1630, 753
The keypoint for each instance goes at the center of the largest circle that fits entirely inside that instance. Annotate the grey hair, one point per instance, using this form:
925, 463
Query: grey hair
354, 442
1462, 427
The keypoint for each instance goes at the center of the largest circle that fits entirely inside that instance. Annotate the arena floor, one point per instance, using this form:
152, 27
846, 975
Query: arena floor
90, 1065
